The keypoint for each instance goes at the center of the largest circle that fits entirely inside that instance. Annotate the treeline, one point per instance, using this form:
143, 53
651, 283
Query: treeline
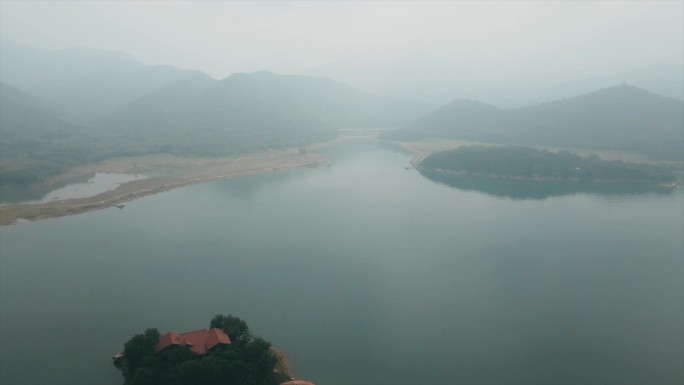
247, 360
535, 164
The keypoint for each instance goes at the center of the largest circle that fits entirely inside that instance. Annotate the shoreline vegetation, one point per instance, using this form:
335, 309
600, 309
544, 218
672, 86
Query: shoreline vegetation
227, 353
531, 164
422, 148
176, 172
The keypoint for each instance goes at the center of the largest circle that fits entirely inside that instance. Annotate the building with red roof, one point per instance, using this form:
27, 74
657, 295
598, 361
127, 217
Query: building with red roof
199, 342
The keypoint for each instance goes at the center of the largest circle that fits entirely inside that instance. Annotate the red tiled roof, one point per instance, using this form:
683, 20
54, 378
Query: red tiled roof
167, 340
216, 336
199, 342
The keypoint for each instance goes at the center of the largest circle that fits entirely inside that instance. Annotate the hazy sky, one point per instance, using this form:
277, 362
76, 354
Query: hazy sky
225, 37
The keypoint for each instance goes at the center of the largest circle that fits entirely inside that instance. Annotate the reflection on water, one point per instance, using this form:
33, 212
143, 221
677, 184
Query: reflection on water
520, 190
99, 183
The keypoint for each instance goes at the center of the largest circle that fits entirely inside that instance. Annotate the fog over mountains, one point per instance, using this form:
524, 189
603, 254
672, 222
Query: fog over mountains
96, 86
490, 192
509, 85
72, 106
31, 118
621, 117
85, 83
106, 104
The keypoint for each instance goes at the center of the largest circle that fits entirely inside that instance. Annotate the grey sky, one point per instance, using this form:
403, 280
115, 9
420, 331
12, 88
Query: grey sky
225, 37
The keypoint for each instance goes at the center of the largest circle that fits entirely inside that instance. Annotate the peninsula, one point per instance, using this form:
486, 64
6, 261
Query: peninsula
175, 172
532, 164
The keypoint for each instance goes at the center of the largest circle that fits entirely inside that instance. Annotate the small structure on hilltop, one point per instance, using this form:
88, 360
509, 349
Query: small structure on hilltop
199, 342
193, 357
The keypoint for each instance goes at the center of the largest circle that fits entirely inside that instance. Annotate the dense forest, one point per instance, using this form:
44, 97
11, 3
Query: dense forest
622, 117
526, 163
246, 360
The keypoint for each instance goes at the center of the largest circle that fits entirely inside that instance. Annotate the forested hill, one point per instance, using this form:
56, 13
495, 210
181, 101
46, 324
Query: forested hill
98, 87
86, 83
527, 163
251, 111
622, 117
30, 117
122, 107
35, 138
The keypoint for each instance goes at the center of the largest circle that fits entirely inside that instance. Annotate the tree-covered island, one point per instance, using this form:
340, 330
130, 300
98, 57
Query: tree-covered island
226, 354
532, 164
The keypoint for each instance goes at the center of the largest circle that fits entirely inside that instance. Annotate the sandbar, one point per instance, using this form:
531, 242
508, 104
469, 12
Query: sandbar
173, 171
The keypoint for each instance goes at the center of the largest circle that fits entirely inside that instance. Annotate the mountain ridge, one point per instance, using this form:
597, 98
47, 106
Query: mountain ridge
622, 117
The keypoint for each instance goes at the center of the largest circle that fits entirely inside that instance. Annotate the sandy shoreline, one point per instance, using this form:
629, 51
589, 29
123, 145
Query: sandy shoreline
182, 171
177, 171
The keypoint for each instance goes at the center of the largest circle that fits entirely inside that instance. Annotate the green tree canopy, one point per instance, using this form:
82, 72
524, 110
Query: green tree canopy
236, 328
531, 163
247, 360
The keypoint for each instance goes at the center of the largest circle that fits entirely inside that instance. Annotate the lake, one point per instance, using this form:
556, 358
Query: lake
363, 273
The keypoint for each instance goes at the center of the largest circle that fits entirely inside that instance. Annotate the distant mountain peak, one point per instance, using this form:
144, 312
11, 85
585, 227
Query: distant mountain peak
624, 86
623, 89
622, 116
470, 103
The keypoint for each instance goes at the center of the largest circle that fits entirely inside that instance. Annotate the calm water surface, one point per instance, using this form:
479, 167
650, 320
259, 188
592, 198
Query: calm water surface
364, 273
